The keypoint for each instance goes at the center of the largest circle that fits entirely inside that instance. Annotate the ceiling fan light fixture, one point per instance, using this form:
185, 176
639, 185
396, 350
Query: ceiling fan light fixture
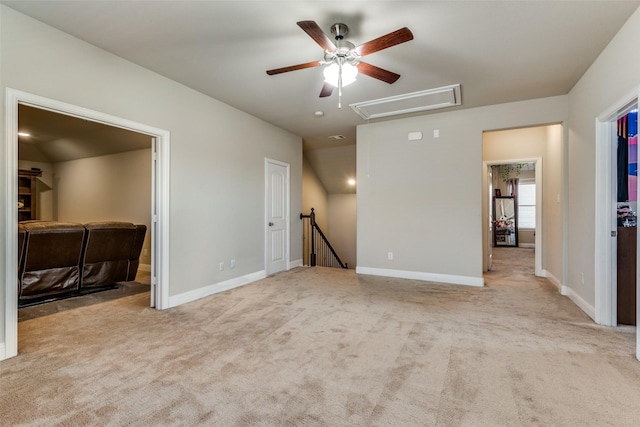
332, 73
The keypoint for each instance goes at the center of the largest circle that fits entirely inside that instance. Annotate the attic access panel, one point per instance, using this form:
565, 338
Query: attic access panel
430, 99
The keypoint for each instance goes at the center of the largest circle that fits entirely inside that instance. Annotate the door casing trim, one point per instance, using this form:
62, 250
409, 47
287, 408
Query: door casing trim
159, 210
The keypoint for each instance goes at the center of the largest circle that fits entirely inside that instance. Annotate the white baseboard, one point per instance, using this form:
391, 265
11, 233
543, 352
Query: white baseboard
196, 294
569, 293
416, 275
3, 355
581, 303
527, 245
144, 267
295, 263
553, 279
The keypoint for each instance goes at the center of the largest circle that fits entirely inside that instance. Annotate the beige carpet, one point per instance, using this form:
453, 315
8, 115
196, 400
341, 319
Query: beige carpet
121, 289
327, 347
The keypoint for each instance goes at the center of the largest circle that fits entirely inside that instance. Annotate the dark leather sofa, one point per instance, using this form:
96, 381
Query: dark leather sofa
108, 253
59, 259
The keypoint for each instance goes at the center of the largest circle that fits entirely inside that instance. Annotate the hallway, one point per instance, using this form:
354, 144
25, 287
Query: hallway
513, 267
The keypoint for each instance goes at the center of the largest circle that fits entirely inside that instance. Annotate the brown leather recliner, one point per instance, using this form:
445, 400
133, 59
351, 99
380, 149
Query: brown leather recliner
51, 260
136, 248
107, 250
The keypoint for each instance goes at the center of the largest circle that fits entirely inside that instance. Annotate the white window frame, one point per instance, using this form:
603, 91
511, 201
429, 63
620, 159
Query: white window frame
521, 182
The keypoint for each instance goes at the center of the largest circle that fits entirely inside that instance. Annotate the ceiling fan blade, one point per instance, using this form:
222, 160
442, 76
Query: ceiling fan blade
399, 36
326, 90
294, 67
377, 72
316, 33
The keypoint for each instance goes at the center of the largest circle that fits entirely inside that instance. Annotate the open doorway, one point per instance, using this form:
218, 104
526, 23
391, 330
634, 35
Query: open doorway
626, 213
606, 239
535, 146
514, 208
86, 173
158, 233
611, 203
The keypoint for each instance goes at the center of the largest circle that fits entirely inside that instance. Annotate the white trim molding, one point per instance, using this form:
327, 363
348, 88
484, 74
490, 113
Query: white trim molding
215, 288
160, 210
605, 312
553, 279
417, 275
579, 301
295, 263
605, 218
10, 345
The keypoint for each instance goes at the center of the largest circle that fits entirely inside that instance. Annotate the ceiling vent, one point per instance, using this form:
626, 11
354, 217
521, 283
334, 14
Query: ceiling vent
431, 99
338, 137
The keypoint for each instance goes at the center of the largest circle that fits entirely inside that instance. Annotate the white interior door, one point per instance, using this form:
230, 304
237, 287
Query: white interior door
277, 216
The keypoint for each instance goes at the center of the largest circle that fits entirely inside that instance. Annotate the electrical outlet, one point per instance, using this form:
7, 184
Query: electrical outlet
232, 263
389, 255
221, 267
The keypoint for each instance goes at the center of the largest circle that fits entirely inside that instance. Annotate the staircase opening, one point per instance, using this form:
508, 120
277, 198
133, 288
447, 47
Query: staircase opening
318, 251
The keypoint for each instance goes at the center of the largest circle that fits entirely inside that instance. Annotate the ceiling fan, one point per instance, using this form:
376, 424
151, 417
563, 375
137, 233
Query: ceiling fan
342, 58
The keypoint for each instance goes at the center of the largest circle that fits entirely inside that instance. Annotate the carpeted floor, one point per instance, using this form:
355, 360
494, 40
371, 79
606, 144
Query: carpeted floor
122, 289
326, 347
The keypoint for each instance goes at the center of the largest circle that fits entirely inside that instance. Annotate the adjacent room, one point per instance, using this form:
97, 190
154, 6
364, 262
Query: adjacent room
88, 180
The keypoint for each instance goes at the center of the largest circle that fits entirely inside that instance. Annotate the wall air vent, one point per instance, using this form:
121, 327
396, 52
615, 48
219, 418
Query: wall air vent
338, 137
431, 99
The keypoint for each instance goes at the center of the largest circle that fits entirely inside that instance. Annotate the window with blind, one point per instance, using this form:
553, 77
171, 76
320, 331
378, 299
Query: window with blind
527, 203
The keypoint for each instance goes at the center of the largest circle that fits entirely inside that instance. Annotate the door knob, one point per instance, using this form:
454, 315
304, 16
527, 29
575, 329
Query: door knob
270, 224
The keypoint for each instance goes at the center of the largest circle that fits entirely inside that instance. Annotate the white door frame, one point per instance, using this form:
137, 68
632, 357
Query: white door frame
605, 243
160, 202
539, 224
266, 213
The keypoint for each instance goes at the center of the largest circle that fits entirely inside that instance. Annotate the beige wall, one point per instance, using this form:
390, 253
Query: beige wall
217, 153
105, 188
611, 78
527, 238
116, 187
314, 196
554, 208
342, 223
423, 200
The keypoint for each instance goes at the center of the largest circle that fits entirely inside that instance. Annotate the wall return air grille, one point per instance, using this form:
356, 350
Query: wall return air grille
430, 99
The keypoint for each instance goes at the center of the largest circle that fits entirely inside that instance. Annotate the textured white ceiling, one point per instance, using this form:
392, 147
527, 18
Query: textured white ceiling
499, 51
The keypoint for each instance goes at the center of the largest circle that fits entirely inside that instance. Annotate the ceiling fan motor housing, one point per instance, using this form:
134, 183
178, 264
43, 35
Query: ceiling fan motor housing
339, 30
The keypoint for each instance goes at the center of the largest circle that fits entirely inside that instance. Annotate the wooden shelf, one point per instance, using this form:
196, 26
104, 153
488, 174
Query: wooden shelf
27, 193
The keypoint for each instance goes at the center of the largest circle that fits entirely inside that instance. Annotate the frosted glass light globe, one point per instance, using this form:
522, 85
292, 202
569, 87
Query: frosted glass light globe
349, 74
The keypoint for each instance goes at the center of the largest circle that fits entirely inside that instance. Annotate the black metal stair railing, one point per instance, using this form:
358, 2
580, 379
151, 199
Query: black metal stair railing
318, 251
